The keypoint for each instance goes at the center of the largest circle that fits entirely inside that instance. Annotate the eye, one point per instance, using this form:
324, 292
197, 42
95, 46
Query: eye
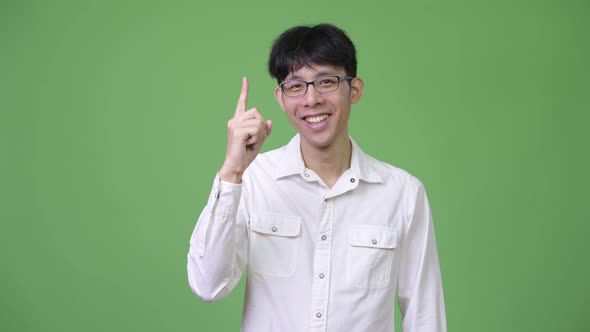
293, 86
327, 81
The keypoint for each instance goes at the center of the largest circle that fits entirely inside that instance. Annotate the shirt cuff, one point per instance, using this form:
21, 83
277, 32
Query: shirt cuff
225, 196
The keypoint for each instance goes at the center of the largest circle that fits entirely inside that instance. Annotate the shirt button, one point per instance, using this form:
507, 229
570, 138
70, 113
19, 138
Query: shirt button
374, 241
324, 238
306, 175
318, 315
322, 276
352, 180
274, 229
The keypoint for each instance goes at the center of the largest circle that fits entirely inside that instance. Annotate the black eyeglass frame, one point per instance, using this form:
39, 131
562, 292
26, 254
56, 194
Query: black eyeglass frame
307, 84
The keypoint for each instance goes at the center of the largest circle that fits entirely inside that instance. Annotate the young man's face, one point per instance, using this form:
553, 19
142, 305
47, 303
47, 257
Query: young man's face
321, 119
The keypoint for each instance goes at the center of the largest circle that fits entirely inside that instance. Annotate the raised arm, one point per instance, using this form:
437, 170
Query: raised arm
218, 246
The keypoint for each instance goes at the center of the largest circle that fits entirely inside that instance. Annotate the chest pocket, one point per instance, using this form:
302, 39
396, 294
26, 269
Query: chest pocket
370, 255
274, 242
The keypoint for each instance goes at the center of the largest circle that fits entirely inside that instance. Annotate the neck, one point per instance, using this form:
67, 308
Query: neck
328, 162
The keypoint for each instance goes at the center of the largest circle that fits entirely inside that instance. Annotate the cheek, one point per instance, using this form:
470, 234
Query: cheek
290, 114
291, 110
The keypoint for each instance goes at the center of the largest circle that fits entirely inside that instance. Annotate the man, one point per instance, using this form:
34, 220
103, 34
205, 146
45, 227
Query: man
329, 234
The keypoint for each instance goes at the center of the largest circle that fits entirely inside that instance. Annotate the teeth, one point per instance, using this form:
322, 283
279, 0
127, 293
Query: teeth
316, 119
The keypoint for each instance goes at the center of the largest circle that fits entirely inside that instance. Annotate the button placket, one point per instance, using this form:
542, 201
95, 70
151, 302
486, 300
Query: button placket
322, 256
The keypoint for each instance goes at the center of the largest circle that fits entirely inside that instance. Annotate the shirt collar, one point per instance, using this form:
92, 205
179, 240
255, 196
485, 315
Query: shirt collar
291, 162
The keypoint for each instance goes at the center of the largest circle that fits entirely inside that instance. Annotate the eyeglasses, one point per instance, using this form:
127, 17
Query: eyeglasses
298, 88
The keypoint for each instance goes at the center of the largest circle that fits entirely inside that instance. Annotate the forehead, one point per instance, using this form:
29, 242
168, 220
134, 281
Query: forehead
312, 71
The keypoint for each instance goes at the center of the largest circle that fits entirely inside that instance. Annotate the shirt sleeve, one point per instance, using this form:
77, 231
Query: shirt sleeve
420, 292
218, 245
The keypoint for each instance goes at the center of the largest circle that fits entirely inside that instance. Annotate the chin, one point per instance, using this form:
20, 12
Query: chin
317, 142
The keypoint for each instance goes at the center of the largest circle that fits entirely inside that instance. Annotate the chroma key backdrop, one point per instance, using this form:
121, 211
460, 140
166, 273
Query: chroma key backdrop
112, 127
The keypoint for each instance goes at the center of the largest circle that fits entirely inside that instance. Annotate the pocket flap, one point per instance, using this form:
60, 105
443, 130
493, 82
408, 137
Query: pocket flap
373, 237
276, 224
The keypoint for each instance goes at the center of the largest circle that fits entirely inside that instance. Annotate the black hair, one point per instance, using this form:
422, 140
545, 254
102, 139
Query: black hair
323, 44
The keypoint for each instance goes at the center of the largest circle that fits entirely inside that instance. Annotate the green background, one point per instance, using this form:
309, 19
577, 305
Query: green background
113, 126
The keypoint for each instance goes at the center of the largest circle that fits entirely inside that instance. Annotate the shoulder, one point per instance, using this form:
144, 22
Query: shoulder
395, 181
375, 170
265, 164
398, 181
269, 158
392, 174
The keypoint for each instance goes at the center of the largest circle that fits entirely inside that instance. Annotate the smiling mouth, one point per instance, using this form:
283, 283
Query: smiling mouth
317, 118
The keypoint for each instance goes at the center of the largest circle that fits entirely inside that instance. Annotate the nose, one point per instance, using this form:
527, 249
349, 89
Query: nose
312, 97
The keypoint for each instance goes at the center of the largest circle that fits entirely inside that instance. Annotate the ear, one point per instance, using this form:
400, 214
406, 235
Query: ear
357, 86
279, 97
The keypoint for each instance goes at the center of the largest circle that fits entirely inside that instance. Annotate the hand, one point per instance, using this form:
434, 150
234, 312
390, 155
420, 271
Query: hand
246, 132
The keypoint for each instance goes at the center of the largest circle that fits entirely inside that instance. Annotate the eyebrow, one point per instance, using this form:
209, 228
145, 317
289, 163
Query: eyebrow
319, 74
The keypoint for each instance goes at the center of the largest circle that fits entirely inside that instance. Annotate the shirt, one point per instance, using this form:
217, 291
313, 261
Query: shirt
320, 258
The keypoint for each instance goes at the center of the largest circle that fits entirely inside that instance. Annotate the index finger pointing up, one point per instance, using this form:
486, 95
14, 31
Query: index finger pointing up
243, 101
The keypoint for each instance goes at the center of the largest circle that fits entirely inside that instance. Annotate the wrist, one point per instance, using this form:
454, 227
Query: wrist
230, 175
